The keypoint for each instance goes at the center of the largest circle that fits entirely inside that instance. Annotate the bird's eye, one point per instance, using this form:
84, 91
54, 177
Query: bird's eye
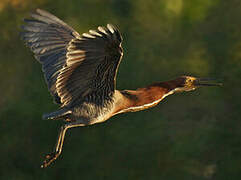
189, 81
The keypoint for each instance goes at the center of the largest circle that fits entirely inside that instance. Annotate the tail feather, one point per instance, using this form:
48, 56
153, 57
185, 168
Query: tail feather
60, 114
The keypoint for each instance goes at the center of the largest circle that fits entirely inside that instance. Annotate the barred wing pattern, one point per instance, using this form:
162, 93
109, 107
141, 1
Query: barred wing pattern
75, 67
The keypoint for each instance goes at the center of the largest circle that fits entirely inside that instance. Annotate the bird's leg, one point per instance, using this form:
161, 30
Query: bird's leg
58, 147
53, 156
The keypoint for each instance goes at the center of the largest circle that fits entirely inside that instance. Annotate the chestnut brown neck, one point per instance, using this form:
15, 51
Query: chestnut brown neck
147, 97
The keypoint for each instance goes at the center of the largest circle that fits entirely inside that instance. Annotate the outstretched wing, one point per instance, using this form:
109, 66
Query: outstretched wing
75, 67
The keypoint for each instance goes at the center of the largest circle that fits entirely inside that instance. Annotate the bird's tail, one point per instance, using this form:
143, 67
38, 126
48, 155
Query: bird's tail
60, 114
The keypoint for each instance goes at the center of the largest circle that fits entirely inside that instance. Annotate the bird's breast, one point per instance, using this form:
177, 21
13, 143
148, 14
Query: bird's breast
90, 113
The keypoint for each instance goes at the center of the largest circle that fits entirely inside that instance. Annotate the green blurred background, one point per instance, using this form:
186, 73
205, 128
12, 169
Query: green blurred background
194, 135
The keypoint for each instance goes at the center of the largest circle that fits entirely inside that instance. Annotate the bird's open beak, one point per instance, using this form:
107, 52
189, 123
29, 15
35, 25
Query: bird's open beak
206, 82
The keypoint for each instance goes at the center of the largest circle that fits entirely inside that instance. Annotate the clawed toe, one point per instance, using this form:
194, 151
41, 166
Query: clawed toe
49, 158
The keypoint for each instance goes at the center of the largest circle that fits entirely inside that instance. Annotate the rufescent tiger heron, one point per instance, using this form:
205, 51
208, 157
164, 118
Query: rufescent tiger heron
80, 71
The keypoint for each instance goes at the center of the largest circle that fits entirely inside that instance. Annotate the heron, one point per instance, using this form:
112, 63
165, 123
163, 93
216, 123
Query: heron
80, 71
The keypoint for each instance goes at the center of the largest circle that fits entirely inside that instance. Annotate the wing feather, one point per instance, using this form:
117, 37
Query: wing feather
48, 38
92, 62
76, 68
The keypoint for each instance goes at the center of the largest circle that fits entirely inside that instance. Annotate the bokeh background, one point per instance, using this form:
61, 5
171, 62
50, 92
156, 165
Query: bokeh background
194, 135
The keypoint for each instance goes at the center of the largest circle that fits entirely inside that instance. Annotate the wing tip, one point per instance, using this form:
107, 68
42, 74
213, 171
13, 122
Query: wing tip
111, 28
104, 31
42, 12
114, 30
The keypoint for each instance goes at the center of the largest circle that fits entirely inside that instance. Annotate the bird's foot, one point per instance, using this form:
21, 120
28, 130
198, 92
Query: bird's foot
49, 158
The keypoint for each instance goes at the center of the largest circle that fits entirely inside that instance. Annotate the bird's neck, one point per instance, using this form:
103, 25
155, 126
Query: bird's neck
143, 98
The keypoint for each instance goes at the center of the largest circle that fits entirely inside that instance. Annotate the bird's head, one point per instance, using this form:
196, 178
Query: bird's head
189, 83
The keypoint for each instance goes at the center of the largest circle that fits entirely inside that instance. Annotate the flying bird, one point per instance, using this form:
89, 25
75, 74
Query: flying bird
80, 72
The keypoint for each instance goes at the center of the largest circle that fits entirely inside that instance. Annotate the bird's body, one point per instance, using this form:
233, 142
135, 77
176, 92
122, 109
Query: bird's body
80, 71
119, 102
